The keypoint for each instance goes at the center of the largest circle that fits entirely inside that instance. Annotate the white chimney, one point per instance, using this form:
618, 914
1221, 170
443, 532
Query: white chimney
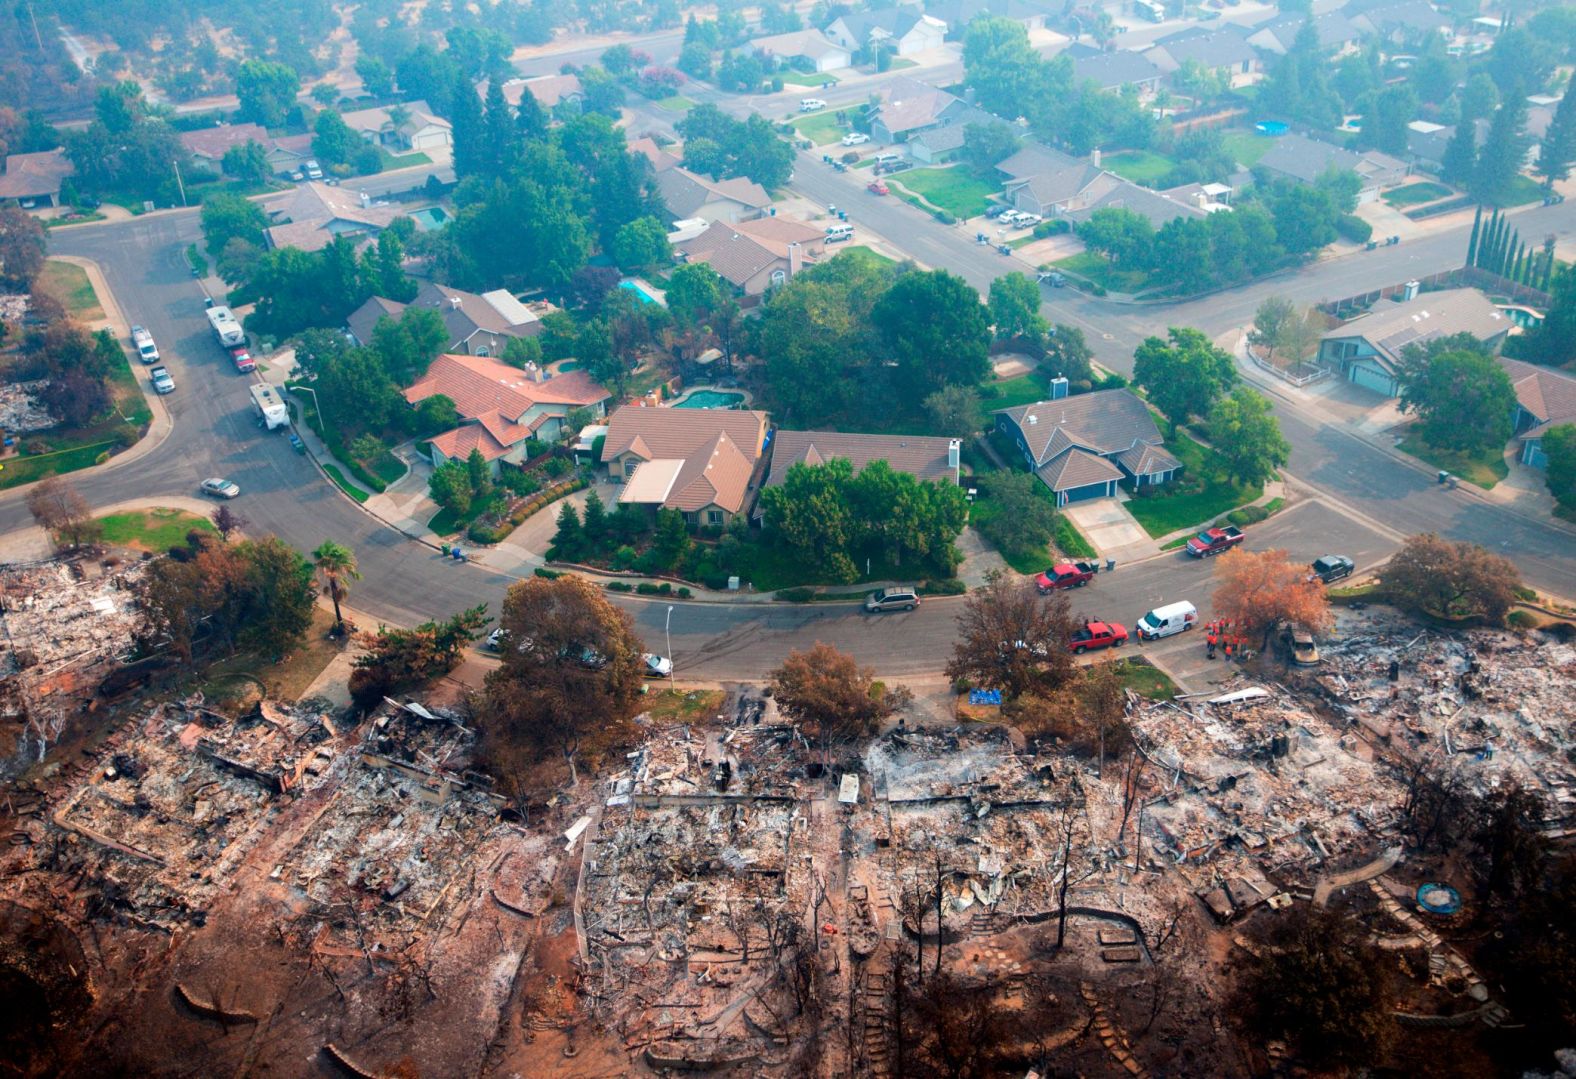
1094, 157
1411, 288
954, 455
366, 199
454, 303
1033, 419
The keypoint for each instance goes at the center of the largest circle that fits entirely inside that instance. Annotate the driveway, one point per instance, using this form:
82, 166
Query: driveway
1113, 531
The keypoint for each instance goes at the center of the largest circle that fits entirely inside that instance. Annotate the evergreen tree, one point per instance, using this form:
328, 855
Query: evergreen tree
530, 119
470, 137
1504, 152
1472, 241
568, 540
1558, 148
500, 137
1460, 159
594, 525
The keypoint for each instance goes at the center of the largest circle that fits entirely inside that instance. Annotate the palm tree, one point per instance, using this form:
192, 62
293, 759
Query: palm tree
336, 565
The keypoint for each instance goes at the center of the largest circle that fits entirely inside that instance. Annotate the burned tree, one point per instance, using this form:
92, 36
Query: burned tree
62, 512
829, 691
1011, 639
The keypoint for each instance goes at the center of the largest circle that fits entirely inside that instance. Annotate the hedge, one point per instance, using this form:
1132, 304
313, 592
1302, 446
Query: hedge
1353, 228
796, 595
620, 586
947, 586
548, 574
482, 533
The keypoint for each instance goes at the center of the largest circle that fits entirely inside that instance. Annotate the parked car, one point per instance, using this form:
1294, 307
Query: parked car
656, 666
897, 598
1098, 635
1052, 278
855, 138
1025, 220
314, 171
495, 639
1164, 621
811, 104
1332, 567
218, 488
296, 175
147, 351
1304, 652
997, 211
876, 187
1213, 541
242, 359
1066, 575
162, 382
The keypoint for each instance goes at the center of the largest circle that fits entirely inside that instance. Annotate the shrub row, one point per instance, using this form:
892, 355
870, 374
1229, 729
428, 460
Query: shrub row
1353, 228
649, 588
947, 586
483, 533
796, 595
548, 574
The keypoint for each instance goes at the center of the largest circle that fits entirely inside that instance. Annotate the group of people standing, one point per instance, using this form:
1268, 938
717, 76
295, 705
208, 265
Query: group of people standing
1223, 635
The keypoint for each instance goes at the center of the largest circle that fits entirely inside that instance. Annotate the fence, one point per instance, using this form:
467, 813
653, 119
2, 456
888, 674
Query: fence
1461, 277
1314, 373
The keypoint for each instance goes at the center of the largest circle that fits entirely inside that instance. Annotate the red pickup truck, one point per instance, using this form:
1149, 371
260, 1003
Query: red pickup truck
1212, 541
1098, 635
1066, 575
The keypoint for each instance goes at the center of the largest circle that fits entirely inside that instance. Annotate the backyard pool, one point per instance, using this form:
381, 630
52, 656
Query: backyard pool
1271, 127
430, 218
640, 289
711, 399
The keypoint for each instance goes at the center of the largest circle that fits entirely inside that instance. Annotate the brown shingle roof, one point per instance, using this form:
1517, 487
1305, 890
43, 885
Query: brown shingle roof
685, 192
212, 142
719, 449
480, 384
660, 159
923, 456
28, 175
1076, 468
735, 256
1547, 394
717, 475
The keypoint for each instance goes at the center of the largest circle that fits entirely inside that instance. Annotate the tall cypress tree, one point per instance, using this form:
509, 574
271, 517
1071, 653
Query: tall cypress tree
1504, 151
1485, 258
1472, 241
470, 136
1559, 144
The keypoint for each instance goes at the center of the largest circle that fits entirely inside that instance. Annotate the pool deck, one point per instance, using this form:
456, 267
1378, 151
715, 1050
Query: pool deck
743, 397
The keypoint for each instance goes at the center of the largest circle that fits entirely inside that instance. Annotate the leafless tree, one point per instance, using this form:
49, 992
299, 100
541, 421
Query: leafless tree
227, 521
44, 728
1064, 822
63, 513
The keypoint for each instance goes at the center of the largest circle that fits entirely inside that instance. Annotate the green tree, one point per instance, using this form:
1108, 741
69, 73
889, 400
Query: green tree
594, 526
335, 565
477, 474
1392, 109
376, 77
1463, 399
1504, 152
406, 346
1122, 235
809, 513
267, 91
1559, 446
670, 540
469, 134
450, 487
521, 351
278, 610
1183, 375
641, 243
751, 148
695, 290
1459, 163
1001, 66
248, 163
955, 411
568, 540
935, 328
1558, 148
1015, 307
434, 415
332, 141
986, 145
1304, 218
1247, 437
398, 660
1022, 520
1068, 355
226, 217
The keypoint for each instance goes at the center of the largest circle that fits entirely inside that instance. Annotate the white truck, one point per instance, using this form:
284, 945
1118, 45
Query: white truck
147, 351
272, 411
225, 327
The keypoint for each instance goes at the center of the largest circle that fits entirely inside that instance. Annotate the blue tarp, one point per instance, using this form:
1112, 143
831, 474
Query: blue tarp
985, 696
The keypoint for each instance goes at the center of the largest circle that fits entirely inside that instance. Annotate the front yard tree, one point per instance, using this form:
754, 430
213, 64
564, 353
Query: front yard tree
809, 513
1558, 148
1183, 375
279, 608
593, 525
1024, 521
1452, 580
570, 678
336, 568
1463, 399
1258, 590
1559, 446
227, 217
1247, 437
1012, 640
1321, 984
1270, 322
568, 539
267, 91
954, 411
984, 145
833, 695
935, 327
1068, 355
62, 512
1504, 150
21, 247
1015, 307
396, 660
450, 487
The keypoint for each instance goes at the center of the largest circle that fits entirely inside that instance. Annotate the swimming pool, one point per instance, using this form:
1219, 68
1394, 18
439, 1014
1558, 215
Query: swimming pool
433, 217
639, 290
711, 399
1274, 128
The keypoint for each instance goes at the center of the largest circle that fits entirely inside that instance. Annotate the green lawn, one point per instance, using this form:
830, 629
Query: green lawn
1145, 680
401, 161
870, 254
1012, 392
898, 63
805, 78
70, 283
1482, 469
1140, 166
1178, 506
1524, 189
15, 471
770, 568
1103, 272
676, 103
1247, 146
821, 127
1070, 541
156, 529
386, 467
345, 485
1415, 194
673, 706
954, 189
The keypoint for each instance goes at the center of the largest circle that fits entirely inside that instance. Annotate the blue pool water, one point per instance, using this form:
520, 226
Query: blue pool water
429, 219
634, 286
711, 399
1271, 127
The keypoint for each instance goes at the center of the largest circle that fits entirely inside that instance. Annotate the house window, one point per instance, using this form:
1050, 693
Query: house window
481, 350
778, 278
714, 517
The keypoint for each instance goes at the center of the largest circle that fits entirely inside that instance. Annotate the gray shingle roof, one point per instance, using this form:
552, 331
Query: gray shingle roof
923, 456
1146, 460
1077, 468
1035, 159
1390, 328
1113, 70
1106, 421
1306, 159
1211, 48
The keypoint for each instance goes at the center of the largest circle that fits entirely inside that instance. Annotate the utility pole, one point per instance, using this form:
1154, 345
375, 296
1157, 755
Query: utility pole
179, 183
37, 37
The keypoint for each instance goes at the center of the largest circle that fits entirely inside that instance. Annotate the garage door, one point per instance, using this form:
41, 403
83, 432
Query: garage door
1370, 378
1084, 494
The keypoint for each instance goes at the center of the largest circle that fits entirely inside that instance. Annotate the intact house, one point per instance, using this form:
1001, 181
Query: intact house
689, 195
1337, 33
754, 256
944, 142
903, 30
908, 106
317, 213
1082, 447
502, 407
419, 127
1368, 349
1304, 160
288, 153
1225, 51
550, 91
1114, 70
957, 14
1396, 22
1050, 183
33, 180
206, 148
925, 457
1545, 397
808, 48
702, 462
479, 325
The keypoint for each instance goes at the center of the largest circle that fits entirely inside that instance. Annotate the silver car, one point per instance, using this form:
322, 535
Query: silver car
219, 488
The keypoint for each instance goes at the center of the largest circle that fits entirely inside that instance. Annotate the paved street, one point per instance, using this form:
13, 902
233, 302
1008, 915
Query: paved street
1353, 498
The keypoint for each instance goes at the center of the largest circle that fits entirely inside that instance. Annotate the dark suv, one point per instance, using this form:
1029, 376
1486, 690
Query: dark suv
897, 598
1332, 567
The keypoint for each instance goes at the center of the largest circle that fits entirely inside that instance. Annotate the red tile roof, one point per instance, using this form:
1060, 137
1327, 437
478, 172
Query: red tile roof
480, 384
458, 443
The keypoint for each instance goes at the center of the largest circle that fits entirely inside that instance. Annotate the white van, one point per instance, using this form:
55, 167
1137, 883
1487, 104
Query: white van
811, 104
1164, 621
836, 234
886, 159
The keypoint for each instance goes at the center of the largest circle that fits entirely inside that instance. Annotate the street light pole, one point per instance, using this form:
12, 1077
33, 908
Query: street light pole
673, 667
